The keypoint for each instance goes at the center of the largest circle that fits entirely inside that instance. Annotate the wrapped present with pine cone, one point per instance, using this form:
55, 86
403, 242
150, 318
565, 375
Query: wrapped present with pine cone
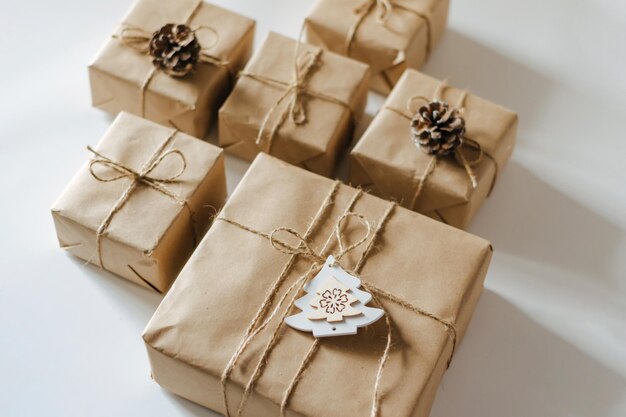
310, 298
389, 35
172, 62
434, 149
296, 102
142, 202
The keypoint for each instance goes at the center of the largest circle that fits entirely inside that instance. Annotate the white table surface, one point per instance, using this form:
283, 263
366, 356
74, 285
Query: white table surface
549, 335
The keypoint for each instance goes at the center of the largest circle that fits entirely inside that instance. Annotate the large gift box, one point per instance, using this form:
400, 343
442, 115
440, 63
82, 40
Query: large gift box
221, 324
143, 201
389, 35
156, 68
444, 165
295, 102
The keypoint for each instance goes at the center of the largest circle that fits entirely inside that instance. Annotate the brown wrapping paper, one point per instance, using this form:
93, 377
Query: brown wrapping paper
189, 103
151, 237
387, 163
314, 145
202, 320
402, 41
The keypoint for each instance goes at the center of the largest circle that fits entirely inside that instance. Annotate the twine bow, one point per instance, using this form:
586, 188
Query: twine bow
302, 248
144, 176
383, 9
293, 95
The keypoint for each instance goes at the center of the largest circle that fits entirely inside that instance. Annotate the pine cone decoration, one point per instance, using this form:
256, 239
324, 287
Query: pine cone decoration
175, 49
438, 129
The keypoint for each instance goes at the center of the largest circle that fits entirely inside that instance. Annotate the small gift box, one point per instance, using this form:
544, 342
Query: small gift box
434, 149
172, 62
389, 35
296, 102
142, 202
225, 335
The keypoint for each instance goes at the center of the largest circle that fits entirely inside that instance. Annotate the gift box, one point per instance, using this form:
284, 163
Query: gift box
140, 205
390, 161
155, 68
221, 324
295, 102
390, 36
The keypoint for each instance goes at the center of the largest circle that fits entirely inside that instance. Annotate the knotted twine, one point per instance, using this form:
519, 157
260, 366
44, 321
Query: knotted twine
143, 177
383, 9
139, 39
459, 157
290, 104
303, 249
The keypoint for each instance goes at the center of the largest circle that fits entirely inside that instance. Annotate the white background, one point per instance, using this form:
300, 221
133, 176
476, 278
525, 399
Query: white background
549, 335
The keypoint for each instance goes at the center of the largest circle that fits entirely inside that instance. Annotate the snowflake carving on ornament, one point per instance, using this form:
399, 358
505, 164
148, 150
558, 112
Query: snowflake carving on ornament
332, 302
335, 301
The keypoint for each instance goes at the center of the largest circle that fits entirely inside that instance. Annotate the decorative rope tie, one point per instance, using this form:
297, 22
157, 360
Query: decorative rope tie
383, 9
139, 39
458, 155
290, 104
304, 249
143, 176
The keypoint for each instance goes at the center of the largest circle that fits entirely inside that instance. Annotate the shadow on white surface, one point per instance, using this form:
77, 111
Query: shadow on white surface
510, 365
529, 218
187, 407
486, 73
135, 301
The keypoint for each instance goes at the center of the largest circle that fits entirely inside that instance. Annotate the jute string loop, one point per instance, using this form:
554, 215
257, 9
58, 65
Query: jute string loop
290, 104
144, 177
459, 156
383, 9
139, 39
305, 250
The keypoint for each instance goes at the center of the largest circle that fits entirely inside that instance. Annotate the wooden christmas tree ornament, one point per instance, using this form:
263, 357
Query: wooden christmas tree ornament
333, 305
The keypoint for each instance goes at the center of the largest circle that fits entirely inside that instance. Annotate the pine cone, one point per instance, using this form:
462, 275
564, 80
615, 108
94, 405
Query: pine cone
175, 49
438, 129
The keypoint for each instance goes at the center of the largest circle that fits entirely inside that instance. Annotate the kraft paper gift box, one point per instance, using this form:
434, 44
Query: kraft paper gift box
123, 77
306, 123
387, 162
142, 229
204, 317
390, 36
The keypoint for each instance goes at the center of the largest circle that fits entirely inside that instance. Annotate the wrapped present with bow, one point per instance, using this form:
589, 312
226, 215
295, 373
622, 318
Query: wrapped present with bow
172, 62
389, 35
310, 298
142, 202
296, 102
434, 149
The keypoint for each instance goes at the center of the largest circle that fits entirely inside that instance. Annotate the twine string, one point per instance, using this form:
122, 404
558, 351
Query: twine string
383, 9
271, 294
143, 176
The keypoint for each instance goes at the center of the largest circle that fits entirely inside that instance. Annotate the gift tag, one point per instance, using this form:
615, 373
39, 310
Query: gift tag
333, 305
